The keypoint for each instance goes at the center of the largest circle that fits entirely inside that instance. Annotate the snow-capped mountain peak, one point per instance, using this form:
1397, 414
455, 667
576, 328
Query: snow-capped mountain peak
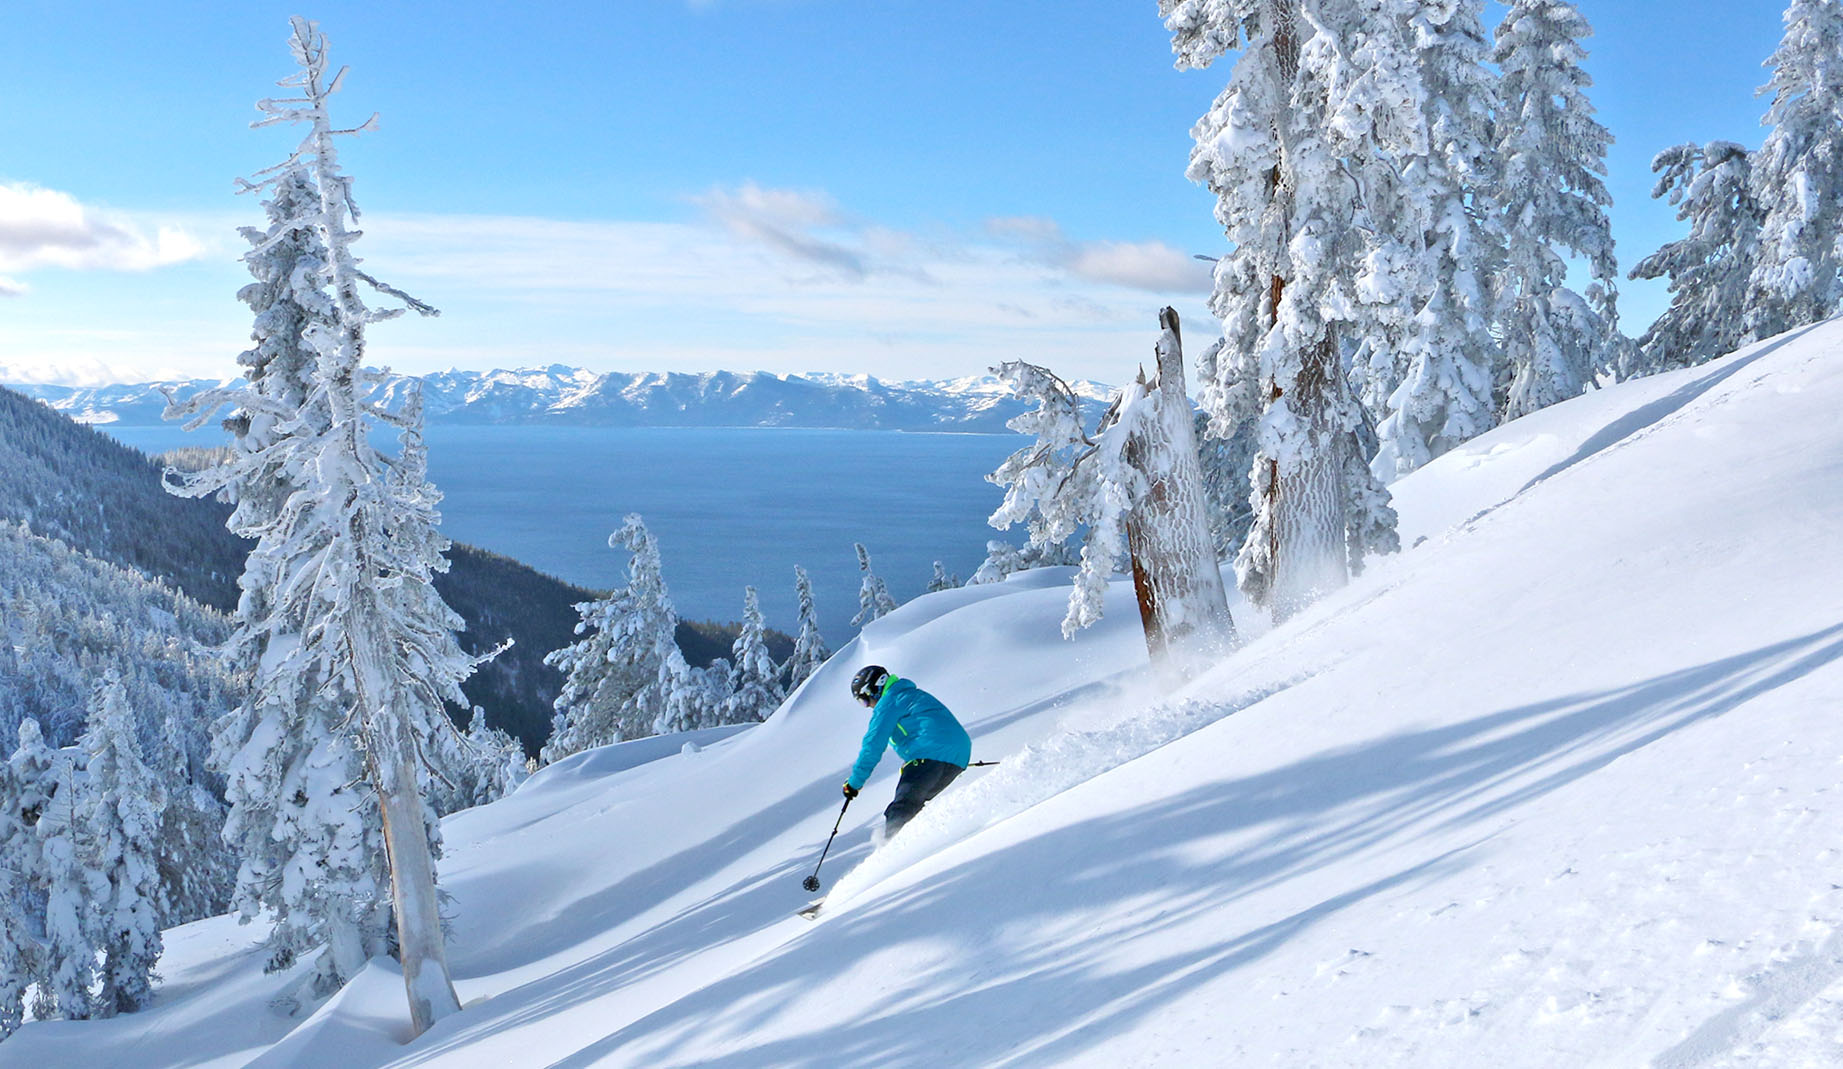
562, 395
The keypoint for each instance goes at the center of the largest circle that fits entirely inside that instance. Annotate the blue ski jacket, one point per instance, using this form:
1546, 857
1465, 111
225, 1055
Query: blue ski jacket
916, 725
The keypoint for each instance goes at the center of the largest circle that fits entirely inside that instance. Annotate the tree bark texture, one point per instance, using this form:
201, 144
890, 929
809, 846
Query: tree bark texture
391, 749
1182, 604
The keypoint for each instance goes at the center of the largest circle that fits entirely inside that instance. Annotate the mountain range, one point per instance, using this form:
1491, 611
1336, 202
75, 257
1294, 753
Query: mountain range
568, 396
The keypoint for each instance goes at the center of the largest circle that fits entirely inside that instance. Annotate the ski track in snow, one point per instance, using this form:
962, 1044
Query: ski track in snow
1028, 777
1777, 993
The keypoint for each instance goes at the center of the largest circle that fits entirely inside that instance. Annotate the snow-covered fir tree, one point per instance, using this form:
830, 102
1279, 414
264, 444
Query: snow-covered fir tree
1798, 176
500, 764
16, 942
874, 601
120, 814
1067, 479
1320, 108
65, 879
595, 686
1004, 558
198, 870
942, 580
1710, 268
687, 698
288, 261
1553, 202
619, 677
755, 686
1445, 217
810, 649
311, 853
353, 652
32, 771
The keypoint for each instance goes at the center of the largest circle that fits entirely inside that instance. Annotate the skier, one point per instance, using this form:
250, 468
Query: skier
933, 746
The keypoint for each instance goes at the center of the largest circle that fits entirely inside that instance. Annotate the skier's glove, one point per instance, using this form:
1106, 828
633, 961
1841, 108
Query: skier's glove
850, 791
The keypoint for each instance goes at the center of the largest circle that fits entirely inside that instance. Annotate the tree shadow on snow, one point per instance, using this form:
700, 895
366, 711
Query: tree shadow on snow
761, 900
1043, 999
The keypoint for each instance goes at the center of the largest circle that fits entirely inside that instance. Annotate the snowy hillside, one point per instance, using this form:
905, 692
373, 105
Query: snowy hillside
1557, 786
560, 395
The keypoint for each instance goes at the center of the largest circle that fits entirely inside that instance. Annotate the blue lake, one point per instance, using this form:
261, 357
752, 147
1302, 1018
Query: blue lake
731, 507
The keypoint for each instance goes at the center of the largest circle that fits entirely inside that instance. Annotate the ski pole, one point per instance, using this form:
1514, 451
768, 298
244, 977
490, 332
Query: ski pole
811, 883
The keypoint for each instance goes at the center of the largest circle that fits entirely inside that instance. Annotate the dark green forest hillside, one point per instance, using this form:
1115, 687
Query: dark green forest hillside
71, 483
77, 485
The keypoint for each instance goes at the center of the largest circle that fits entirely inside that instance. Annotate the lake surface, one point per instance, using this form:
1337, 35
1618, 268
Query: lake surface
731, 507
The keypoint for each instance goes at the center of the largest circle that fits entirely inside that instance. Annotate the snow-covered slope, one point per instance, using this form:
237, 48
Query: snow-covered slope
1559, 785
565, 396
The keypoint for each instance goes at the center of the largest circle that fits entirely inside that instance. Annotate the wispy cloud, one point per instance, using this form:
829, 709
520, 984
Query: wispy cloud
754, 279
1152, 266
46, 228
790, 221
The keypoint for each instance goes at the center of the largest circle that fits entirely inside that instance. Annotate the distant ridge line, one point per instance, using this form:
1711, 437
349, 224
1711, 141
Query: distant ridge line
559, 395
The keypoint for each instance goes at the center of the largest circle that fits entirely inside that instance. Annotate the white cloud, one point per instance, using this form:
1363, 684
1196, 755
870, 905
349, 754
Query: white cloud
788, 221
721, 292
1152, 266
739, 285
46, 228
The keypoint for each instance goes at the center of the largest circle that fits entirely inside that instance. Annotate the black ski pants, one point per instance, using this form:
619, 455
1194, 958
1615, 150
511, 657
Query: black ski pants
921, 781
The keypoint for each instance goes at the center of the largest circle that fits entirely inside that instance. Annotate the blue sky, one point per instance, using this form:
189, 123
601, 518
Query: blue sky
909, 188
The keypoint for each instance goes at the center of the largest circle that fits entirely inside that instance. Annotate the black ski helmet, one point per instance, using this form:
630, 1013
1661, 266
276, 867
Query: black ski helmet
867, 685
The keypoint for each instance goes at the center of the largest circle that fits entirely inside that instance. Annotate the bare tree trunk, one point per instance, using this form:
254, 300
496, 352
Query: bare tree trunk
392, 752
1310, 547
1182, 604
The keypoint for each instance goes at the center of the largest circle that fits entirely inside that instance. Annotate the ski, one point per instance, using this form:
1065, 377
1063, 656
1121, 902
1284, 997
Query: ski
812, 912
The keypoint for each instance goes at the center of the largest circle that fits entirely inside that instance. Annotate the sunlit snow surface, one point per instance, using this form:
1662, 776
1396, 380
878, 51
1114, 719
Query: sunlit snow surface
1559, 785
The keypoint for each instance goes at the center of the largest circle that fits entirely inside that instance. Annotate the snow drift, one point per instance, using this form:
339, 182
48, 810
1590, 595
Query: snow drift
1557, 785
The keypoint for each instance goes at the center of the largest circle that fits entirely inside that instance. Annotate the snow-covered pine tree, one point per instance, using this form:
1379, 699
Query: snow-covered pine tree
1452, 227
1553, 201
353, 660
688, 698
16, 943
942, 580
874, 601
68, 883
121, 815
593, 690
1319, 109
288, 262
34, 775
618, 678
809, 650
311, 856
198, 870
1710, 269
1798, 176
1004, 558
499, 761
755, 686
1068, 479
